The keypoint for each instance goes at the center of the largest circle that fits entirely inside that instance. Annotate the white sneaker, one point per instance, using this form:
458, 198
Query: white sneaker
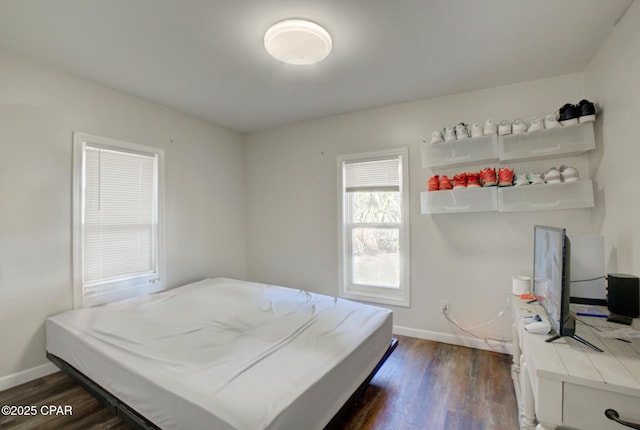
535, 124
461, 131
476, 130
490, 127
552, 176
551, 121
504, 128
535, 178
521, 180
519, 127
449, 134
568, 173
436, 137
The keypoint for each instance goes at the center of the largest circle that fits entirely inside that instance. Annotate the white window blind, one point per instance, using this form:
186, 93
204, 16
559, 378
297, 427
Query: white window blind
374, 227
118, 240
373, 175
119, 215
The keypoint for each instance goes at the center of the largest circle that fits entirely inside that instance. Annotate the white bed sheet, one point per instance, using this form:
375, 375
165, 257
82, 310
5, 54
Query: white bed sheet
226, 354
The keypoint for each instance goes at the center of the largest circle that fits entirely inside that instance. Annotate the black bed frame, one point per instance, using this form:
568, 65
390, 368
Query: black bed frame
139, 422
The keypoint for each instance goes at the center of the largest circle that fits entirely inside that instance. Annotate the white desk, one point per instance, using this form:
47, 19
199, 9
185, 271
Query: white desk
567, 384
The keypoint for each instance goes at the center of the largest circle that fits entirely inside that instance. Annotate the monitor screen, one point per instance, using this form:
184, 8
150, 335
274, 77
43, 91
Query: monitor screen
549, 272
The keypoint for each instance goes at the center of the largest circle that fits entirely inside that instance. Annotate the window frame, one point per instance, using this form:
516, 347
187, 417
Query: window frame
125, 286
377, 294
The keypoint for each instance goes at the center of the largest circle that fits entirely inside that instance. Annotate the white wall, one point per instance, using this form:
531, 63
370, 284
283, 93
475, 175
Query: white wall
468, 259
39, 110
612, 79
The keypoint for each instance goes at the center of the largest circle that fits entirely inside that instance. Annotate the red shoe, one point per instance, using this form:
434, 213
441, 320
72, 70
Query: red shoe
488, 177
472, 180
505, 177
460, 180
445, 183
434, 183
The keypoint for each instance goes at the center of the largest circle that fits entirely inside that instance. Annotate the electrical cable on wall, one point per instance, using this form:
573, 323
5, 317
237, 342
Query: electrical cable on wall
588, 280
468, 330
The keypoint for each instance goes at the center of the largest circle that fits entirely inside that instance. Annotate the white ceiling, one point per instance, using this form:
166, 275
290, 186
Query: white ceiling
206, 57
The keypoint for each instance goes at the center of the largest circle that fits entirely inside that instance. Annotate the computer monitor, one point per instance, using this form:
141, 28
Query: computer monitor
552, 279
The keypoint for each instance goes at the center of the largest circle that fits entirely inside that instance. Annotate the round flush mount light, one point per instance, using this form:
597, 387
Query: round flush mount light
297, 41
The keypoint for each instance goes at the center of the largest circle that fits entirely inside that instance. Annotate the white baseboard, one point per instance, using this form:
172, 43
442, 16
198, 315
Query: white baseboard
471, 342
18, 378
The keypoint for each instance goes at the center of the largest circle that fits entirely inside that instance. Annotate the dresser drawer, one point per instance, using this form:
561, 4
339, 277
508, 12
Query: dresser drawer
583, 408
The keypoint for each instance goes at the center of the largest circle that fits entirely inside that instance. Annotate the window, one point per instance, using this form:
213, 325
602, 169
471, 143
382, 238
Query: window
117, 208
374, 227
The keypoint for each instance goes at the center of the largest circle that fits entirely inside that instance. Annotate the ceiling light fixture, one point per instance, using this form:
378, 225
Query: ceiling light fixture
297, 41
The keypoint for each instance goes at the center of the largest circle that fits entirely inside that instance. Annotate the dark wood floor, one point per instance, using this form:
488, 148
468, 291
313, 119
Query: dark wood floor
423, 385
428, 385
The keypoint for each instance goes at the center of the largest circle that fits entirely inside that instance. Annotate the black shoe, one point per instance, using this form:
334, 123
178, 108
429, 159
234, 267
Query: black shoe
586, 111
568, 114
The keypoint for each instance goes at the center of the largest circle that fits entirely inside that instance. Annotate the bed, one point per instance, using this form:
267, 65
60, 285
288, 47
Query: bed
224, 354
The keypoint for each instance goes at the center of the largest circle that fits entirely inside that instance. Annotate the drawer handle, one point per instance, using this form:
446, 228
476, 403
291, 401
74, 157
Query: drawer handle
612, 414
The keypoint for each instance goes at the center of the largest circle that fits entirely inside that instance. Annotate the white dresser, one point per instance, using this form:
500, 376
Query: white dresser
565, 384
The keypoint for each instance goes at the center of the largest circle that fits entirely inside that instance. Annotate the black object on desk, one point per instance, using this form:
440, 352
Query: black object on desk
620, 319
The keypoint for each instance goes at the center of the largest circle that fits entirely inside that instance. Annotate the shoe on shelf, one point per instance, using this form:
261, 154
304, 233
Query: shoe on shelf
551, 121
488, 177
568, 114
552, 176
473, 180
520, 180
490, 127
436, 137
505, 177
535, 124
519, 127
462, 132
476, 130
445, 182
535, 178
434, 183
586, 111
449, 134
568, 173
504, 128
459, 180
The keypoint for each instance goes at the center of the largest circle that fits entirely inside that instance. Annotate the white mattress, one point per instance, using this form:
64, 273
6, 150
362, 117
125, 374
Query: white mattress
226, 354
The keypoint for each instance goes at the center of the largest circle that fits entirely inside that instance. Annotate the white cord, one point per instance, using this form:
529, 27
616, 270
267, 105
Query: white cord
467, 330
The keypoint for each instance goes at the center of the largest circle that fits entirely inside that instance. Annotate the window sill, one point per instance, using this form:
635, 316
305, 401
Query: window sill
372, 297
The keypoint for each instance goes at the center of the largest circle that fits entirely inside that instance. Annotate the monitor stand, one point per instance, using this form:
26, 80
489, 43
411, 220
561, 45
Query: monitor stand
578, 338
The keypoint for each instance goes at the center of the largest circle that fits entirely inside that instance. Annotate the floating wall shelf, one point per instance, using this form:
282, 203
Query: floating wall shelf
570, 140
